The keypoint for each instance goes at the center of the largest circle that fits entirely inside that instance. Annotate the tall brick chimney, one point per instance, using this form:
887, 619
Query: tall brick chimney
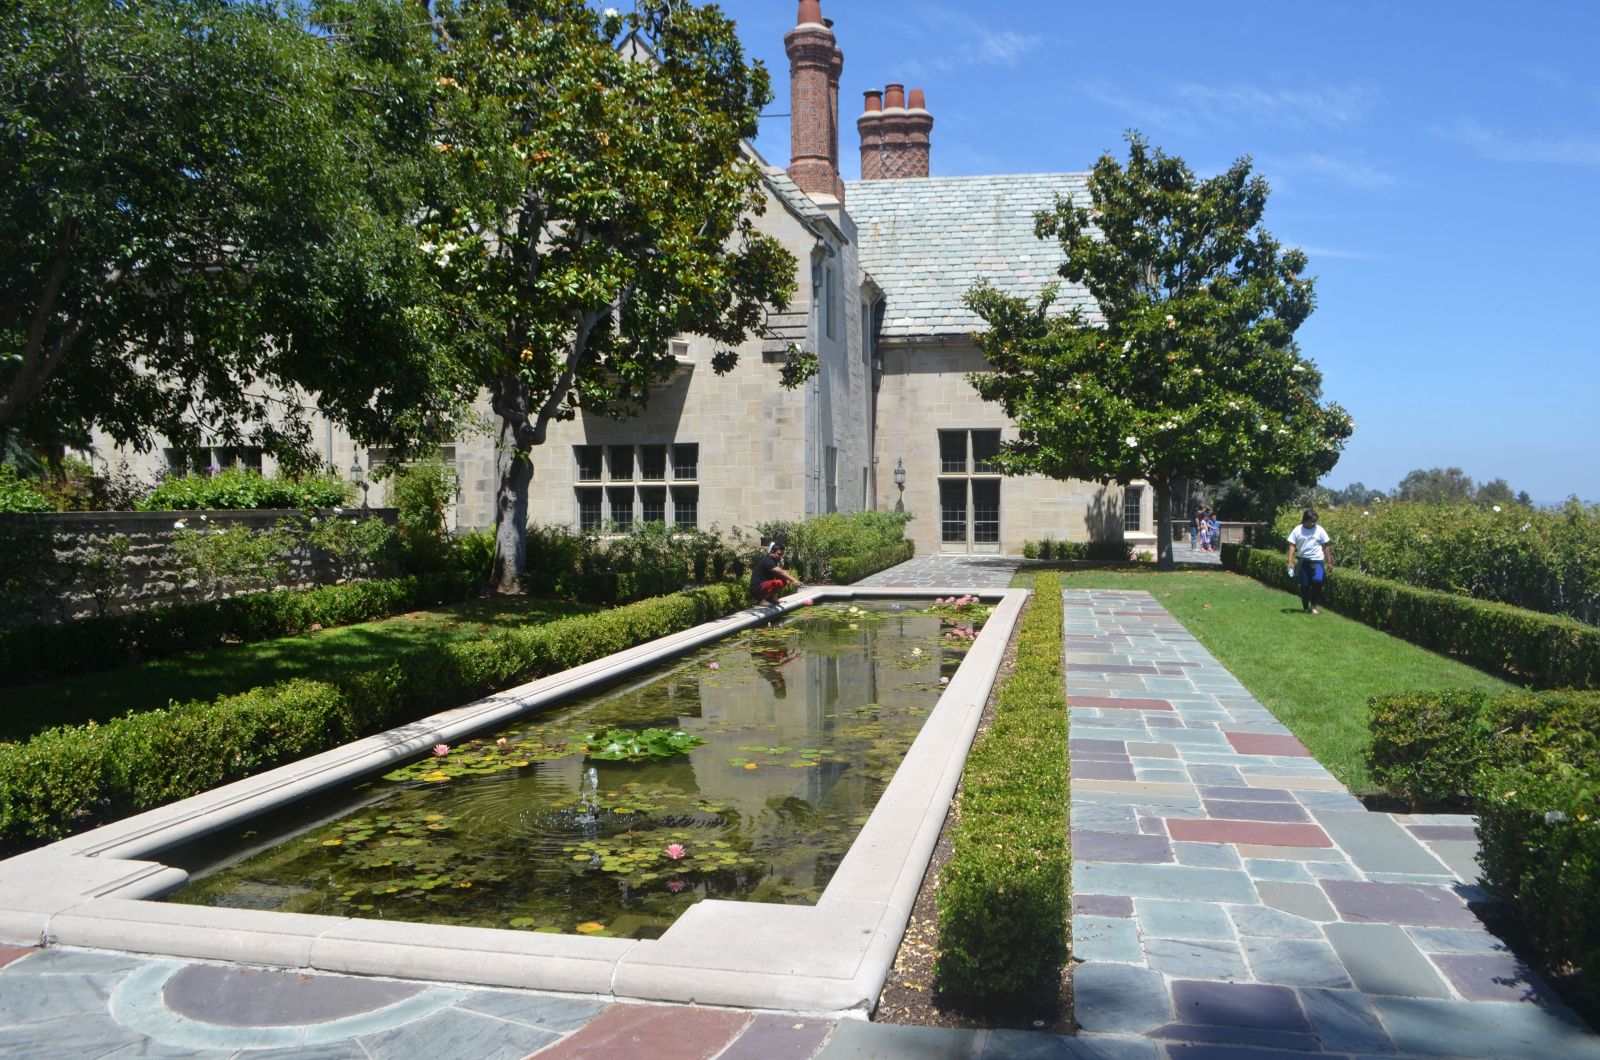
815, 63
895, 134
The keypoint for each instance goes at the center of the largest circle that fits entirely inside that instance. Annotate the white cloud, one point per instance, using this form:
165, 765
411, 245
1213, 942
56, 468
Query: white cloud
976, 43
1331, 169
1500, 147
1189, 105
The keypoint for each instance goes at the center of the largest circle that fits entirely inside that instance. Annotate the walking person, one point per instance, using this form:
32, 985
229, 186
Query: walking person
1310, 557
767, 576
1213, 530
1194, 528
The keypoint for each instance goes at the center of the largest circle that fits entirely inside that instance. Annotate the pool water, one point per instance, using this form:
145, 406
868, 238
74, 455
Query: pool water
803, 724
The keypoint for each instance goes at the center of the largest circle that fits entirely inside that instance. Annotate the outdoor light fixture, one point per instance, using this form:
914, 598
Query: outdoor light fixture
900, 483
358, 476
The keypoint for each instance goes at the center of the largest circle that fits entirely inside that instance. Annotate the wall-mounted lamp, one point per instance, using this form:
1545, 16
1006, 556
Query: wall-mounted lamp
900, 483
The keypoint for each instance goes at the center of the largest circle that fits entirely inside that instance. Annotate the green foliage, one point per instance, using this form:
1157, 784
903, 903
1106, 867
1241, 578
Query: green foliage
813, 546
422, 494
1426, 745
1439, 485
351, 547
238, 489
1531, 764
1083, 551
847, 570
649, 560
625, 745
1190, 369
198, 216
1004, 895
19, 495
1543, 559
90, 644
1545, 650
225, 559
68, 779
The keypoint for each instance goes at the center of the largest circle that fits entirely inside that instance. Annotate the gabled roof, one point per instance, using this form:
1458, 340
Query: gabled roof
927, 241
799, 203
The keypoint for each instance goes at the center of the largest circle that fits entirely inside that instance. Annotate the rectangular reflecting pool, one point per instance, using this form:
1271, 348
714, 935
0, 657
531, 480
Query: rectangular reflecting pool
742, 771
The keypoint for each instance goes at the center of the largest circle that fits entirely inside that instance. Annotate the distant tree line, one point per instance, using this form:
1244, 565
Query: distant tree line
1435, 485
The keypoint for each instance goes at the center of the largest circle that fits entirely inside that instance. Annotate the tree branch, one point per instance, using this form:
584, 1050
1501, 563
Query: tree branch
38, 365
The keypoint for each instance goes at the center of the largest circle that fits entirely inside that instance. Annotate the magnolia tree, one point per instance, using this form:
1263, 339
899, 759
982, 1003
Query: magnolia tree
592, 201
204, 229
1189, 370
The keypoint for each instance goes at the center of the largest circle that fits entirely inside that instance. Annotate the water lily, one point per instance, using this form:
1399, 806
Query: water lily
675, 851
676, 886
502, 742
944, 680
441, 749
714, 666
810, 602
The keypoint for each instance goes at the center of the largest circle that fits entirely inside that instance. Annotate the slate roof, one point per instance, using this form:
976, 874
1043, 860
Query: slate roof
927, 241
799, 203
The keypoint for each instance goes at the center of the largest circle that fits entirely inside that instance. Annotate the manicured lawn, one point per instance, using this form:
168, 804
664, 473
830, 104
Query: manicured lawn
207, 674
1314, 672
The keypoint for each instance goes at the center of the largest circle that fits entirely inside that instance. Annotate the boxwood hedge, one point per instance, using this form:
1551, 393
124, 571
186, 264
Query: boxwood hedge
1004, 896
67, 779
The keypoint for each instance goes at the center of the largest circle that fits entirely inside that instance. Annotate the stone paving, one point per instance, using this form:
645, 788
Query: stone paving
947, 570
1231, 895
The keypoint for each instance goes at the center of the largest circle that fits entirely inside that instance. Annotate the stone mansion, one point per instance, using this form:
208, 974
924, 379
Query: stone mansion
889, 418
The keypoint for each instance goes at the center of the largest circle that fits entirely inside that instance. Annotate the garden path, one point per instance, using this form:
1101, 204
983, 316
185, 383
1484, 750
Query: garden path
1230, 894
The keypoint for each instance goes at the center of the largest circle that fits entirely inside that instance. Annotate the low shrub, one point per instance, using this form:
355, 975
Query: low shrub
812, 546
1546, 650
68, 779
237, 489
19, 495
1082, 551
650, 560
86, 645
1426, 746
1004, 895
847, 570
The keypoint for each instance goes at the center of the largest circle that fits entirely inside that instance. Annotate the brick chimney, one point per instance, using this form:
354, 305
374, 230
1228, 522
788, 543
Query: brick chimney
895, 134
815, 63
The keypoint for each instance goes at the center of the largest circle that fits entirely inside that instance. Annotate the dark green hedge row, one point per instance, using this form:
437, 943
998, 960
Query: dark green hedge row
847, 570
1545, 650
1098, 551
68, 779
1529, 763
601, 586
1004, 896
88, 644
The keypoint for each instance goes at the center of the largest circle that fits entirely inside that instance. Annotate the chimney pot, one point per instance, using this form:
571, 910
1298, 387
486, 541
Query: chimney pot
895, 96
919, 101
874, 100
810, 12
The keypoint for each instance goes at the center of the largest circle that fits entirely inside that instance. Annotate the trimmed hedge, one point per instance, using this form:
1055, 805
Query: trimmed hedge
1095, 551
68, 779
86, 645
1004, 897
847, 570
1530, 764
1549, 651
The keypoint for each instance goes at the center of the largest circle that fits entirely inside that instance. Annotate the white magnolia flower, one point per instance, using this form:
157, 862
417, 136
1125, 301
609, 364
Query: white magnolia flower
205, 518
1263, 428
1497, 507
1196, 371
1126, 346
338, 511
180, 525
611, 13
313, 519
1365, 514
1132, 440
1526, 527
1233, 404
1283, 430
1299, 367
426, 248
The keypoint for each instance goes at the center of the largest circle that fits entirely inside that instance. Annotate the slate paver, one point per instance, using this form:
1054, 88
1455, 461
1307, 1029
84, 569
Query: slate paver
1023, 1045
1196, 959
1119, 998
662, 1032
1121, 847
1295, 962
1467, 1028
1106, 938
252, 997
1398, 903
1492, 977
1252, 1005
1162, 918
1376, 843
858, 1040
779, 1036
1102, 904
1381, 959
1345, 1021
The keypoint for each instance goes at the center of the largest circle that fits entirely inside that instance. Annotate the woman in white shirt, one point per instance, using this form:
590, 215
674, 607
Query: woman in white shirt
1310, 557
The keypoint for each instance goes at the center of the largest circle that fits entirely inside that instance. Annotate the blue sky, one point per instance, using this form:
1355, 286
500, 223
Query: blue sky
1439, 163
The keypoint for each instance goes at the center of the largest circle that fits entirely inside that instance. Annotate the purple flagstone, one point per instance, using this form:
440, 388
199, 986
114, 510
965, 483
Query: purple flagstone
1237, 794
1398, 903
1120, 846
1102, 905
1105, 746
1257, 811
1082, 770
1491, 977
1443, 831
1267, 1008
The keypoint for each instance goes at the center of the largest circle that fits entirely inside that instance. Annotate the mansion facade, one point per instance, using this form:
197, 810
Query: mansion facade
888, 420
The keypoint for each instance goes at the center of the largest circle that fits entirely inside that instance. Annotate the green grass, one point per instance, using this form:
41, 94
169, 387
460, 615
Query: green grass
239, 668
1314, 672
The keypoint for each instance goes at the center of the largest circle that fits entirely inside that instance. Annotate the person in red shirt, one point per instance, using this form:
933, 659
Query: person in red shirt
768, 578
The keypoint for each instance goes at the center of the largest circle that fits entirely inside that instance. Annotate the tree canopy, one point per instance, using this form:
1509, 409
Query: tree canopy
591, 201
203, 230
1189, 368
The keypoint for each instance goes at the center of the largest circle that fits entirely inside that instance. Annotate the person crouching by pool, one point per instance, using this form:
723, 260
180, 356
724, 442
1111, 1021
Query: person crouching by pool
1310, 556
768, 578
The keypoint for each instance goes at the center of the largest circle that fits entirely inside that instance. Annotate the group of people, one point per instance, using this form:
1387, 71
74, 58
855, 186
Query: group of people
1204, 531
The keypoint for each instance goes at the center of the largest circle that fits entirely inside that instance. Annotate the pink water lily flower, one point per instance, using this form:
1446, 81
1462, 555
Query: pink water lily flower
502, 742
714, 666
944, 680
675, 851
675, 886
441, 749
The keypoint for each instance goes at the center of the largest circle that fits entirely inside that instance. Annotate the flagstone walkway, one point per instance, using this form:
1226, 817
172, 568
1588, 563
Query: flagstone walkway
1232, 900
1230, 894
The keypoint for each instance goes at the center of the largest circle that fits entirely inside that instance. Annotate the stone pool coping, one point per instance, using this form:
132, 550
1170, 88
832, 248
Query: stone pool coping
92, 890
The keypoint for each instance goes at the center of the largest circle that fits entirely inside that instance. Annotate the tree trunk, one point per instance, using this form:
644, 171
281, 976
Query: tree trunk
513, 462
1163, 517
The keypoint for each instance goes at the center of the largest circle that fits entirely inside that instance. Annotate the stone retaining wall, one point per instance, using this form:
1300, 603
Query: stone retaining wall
48, 562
